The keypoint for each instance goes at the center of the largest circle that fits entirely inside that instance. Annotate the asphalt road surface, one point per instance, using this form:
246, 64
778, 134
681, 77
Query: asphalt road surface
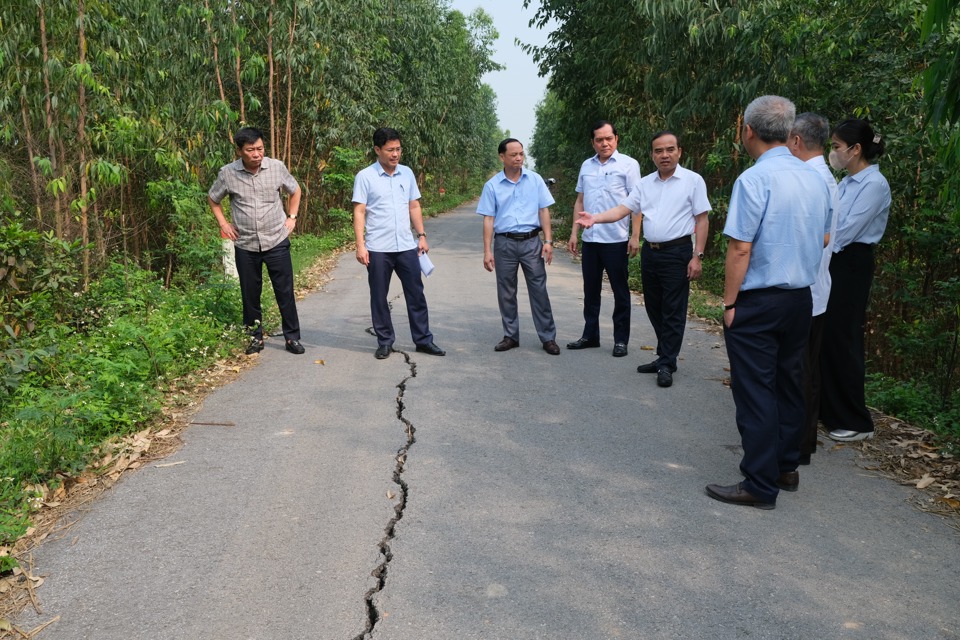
483, 495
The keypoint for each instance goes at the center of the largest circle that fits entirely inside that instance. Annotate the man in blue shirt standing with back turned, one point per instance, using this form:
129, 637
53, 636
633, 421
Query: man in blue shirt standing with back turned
778, 215
515, 208
386, 203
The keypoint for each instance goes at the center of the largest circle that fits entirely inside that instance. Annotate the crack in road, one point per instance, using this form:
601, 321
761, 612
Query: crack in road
379, 573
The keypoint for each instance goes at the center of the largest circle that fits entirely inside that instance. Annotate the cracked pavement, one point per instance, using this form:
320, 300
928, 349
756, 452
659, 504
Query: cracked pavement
542, 497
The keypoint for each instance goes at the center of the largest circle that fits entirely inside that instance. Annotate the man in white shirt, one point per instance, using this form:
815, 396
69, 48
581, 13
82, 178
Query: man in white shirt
672, 205
605, 180
807, 140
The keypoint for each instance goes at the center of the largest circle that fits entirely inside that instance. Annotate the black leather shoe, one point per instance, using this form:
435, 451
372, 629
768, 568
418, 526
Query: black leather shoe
506, 344
255, 346
383, 352
619, 350
789, 480
294, 346
583, 343
735, 494
664, 378
431, 349
551, 347
650, 367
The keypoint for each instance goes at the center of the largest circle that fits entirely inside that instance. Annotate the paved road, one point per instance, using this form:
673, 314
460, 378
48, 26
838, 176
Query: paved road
539, 497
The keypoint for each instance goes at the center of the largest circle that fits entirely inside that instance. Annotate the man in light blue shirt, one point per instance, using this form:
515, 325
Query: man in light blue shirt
605, 179
386, 202
775, 225
515, 208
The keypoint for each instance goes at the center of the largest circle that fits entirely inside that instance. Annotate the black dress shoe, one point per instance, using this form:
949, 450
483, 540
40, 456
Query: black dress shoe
294, 346
735, 494
383, 352
650, 367
431, 349
789, 480
551, 347
255, 346
506, 344
583, 343
619, 350
664, 378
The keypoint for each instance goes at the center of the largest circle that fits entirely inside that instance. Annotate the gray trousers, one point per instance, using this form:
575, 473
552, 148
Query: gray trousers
508, 255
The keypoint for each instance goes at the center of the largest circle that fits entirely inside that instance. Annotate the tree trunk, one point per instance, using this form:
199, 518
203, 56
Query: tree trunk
289, 122
34, 178
214, 42
236, 66
61, 223
270, 76
82, 144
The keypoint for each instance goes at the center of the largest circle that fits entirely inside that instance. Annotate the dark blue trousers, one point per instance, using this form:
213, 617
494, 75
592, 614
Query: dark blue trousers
280, 269
766, 346
666, 291
597, 257
406, 264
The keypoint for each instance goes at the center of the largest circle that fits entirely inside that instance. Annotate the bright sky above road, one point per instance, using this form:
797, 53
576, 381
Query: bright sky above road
518, 87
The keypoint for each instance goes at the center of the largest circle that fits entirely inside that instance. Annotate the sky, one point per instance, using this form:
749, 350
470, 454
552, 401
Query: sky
518, 87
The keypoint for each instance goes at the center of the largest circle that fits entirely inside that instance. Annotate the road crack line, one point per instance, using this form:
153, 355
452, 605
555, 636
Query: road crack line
386, 554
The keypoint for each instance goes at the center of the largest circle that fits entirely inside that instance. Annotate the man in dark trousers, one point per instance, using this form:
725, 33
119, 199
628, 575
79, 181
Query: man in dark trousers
260, 231
386, 203
775, 225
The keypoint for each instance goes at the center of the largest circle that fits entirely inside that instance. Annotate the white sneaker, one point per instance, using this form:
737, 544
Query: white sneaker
844, 435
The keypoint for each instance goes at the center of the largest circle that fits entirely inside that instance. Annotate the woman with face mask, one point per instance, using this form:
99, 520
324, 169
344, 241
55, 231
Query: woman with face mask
864, 207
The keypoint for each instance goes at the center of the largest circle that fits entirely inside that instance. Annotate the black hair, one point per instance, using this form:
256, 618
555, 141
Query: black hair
247, 135
383, 135
857, 131
502, 148
600, 124
665, 132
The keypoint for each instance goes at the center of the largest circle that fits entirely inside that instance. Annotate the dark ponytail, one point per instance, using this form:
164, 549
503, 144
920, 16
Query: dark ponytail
856, 131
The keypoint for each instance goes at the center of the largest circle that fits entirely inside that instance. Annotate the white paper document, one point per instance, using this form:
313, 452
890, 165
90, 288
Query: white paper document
426, 265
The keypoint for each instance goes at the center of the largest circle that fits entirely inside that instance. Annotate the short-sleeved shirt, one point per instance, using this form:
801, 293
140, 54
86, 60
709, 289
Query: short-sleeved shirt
604, 185
515, 206
387, 199
821, 288
256, 207
780, 205
669, 206
864, 208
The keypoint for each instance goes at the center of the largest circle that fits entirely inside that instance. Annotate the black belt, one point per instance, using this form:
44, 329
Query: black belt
668, 243
526, 235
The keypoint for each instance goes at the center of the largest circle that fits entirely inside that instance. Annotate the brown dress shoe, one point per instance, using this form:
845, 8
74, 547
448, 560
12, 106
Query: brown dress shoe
551, 347
736, 494
506, 344
789, 480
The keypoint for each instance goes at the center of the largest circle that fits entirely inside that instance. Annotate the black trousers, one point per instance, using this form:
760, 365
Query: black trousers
406, 264
842, 362
666, 290
596, 258
812, 386
280, 269
766, 346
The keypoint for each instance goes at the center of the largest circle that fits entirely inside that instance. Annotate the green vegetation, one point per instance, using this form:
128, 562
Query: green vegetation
114, 120
693, 67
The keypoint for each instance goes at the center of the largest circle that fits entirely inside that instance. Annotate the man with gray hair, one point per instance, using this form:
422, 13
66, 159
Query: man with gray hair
775, 225
807, 141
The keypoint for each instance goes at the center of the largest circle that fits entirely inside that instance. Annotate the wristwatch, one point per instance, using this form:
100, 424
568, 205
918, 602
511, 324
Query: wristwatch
421, 235
727, 307
293, 217
700, 254
549, 242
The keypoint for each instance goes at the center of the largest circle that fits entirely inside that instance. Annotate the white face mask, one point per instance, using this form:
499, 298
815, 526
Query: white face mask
836, 162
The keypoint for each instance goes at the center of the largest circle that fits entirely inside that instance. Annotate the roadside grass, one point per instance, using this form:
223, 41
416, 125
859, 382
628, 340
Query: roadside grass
104, 373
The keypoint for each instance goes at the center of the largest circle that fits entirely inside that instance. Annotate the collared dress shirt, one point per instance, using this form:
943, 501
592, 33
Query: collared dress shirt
515, 205
781, 206
670, 206
864, 208
387, 199
256, 207
604, 185
821, 288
